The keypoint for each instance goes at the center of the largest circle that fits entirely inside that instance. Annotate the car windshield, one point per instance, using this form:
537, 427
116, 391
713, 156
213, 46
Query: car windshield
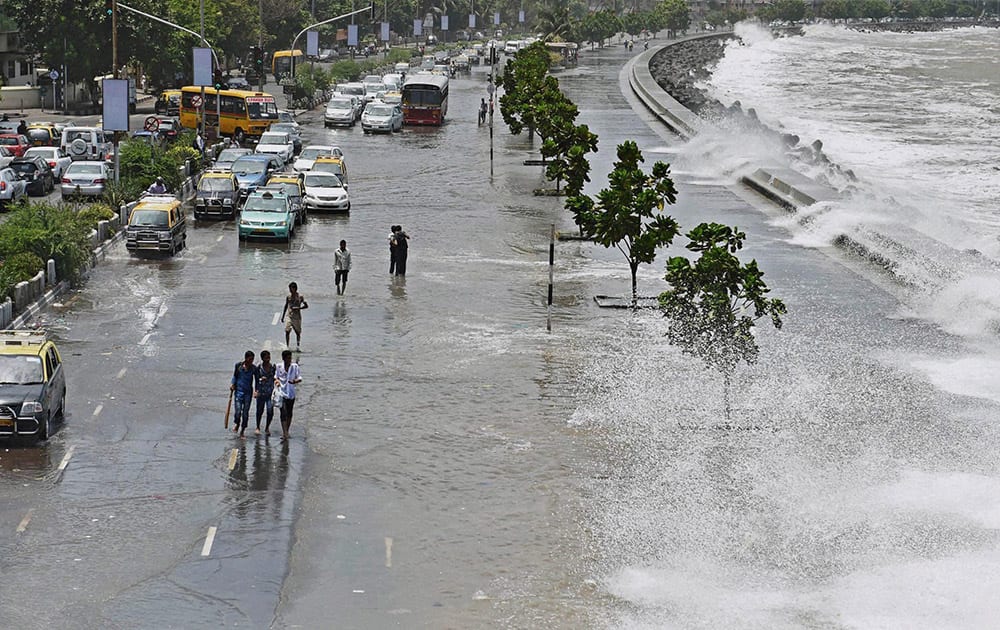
263, 204
149, 218
78, 133
260, 109
340, 103
82, 168
290, 190
215, 184
283, 127
273, 138
41, 135
311, 153
357, 90
377, 110
9, 140
285, 117
328, 167
48, 154
249, 166
323, 180
23, 167
230, 155
19, 369
168, 125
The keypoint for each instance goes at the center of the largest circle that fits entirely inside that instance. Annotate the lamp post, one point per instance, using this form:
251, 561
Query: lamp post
370, 9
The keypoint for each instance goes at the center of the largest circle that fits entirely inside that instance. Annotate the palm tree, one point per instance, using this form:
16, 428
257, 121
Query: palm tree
553, 19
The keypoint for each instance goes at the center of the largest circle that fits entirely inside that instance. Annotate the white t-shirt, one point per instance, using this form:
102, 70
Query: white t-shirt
285, 376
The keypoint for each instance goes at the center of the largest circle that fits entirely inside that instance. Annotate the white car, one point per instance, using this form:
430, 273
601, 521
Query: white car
324, 191
13, 188
277, 143
382, 117
58, 161
5, 157
340, 111
392, 82
309, 154
373, 85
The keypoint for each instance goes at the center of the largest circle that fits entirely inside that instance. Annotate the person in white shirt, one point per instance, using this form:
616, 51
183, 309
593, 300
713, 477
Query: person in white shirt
341, 265
288, 375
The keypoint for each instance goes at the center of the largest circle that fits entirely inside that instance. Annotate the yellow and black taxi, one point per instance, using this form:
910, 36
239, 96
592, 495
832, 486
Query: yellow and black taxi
32, 384
332, 164
169, 103
216, 194
156, 225
294, 186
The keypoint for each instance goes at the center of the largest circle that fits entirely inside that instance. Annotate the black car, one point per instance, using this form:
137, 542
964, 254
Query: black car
36, 174
32, 384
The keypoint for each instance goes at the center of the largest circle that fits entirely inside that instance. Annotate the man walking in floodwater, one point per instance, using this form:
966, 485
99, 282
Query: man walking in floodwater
341, 266
288, 375
401, 247
265, 389
242, 384
294, 305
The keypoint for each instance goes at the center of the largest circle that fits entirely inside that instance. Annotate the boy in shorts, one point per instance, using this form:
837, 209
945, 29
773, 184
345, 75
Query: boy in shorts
294, 305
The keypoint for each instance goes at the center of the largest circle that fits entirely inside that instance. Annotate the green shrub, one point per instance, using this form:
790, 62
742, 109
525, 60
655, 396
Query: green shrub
346, 70
95, 212
47, 231
18, 268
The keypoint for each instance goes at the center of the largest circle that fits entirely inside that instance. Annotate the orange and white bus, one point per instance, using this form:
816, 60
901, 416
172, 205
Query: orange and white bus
241, 112
425, 99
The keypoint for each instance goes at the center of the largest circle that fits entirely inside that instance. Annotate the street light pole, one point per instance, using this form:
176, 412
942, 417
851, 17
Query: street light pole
370, 9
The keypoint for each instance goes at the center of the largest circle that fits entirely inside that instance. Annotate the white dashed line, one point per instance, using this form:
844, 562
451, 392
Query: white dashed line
121, 372
23, 525
209, 539
267, 345
98, 409
145, 339
388, 551
232, 458
65, 459
277, 316
221, 236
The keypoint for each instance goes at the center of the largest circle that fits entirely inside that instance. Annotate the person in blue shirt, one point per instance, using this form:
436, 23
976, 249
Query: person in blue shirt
265, 389
243, 384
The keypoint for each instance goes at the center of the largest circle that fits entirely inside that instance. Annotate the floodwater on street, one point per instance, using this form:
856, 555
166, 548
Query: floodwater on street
452, 463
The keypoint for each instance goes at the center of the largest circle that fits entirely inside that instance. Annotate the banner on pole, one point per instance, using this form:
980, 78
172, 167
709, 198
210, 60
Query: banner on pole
312, 43
203, 67
385, 31
352, 34
418, 27
115, 104
496, 18
472, 20
444, 22
520, 16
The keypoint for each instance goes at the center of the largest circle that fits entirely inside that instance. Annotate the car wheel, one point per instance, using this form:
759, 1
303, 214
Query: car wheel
45, 430
62, 407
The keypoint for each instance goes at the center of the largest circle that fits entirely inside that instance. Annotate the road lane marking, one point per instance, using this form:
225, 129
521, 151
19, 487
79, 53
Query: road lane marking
267, 345
97, 409
23, 525
232, 458
209, 539
221, 236
388, 551
65, 459
143, 341
277, 316
121, 373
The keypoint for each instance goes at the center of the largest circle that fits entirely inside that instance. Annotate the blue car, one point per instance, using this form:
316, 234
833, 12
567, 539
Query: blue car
252, 171
267, 214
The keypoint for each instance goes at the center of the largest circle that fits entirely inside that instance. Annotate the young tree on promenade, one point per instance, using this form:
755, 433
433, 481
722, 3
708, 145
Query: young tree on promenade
566, 151
714, 302
523, 80
676, 15
627, 214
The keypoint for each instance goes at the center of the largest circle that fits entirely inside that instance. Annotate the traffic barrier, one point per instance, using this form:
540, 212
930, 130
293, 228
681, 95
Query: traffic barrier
6, 313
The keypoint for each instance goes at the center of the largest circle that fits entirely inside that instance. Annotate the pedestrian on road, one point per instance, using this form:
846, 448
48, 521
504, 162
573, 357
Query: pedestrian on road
289, 375
392, 249
402, 246
244, 376
341, 266
199, 143
157, 187
22, 128
266, 374
483, 108
294, 305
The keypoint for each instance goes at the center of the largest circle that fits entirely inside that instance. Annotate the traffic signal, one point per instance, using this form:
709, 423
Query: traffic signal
217, 78
109, 7
258, 57
371, 11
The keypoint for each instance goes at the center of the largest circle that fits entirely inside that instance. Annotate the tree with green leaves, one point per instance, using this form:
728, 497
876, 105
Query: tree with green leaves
789, 10
628, 213
523, 81
676, 15
714, 301
566, 151
553, 20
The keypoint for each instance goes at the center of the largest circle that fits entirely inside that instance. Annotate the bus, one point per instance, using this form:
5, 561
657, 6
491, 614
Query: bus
281, 62
425, 99
243, 112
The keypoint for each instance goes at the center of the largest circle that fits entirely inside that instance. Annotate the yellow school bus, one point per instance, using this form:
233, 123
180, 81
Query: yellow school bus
242, 112
281, 61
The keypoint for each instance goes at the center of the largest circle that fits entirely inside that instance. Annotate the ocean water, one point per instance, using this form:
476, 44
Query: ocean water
857, 485
914, 116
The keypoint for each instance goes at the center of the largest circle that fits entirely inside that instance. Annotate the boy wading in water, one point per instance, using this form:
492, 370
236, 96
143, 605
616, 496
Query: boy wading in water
265, 388
294, 305
341, 265
288, 376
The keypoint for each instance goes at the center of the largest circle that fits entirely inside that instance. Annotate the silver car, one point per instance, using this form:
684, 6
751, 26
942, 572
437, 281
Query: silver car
339, 111
382, 117
12, 188
86, 179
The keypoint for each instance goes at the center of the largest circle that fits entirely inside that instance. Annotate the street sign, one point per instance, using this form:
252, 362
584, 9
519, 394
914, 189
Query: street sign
196, 101
152, 123
54, 75
490, 88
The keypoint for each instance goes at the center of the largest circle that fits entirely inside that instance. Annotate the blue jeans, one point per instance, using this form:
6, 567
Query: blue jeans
265, 402
242, 408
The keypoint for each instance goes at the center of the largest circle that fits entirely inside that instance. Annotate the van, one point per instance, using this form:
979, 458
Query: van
511, 47
85, 143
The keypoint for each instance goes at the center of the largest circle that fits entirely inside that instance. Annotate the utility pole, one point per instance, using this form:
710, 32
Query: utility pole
114, 73
260, 46
201, 127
